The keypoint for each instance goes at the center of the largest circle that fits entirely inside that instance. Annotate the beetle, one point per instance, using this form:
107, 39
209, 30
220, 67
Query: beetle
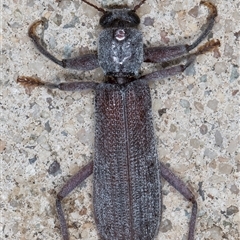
126, 171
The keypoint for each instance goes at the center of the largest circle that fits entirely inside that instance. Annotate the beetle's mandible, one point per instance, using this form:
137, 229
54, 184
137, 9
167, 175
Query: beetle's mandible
126, 170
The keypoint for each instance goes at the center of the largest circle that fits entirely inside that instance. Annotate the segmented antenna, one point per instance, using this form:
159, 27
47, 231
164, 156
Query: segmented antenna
139, 5
92, 5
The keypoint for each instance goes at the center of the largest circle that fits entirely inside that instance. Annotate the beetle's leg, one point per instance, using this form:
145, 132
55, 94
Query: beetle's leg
209, 25
164, 54
67, 188
84, 62
181, 187
167, 72
65, 86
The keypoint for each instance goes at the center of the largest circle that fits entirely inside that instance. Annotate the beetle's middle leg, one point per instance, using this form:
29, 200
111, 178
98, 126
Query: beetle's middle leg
164, 54
67, 188
181, 187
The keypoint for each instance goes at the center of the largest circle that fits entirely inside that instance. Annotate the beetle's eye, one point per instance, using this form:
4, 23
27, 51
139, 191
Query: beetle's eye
134, 17
105, 19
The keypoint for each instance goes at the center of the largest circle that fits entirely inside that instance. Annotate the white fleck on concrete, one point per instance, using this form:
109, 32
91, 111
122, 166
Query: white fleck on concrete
47, 135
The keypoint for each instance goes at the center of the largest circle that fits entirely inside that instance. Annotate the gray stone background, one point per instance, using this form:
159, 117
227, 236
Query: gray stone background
46, 136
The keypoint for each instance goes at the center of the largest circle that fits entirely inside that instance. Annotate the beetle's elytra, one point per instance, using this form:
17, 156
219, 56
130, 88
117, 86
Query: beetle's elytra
126, 170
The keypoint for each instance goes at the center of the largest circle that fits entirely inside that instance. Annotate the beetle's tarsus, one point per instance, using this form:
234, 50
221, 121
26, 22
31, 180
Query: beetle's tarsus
30, 81
211, 7
39, 43
209, 46
35, 82
33, 27
210, 22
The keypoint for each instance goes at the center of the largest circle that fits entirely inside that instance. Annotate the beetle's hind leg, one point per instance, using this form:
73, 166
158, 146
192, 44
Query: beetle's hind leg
169, 53
78, 178
83, 62
181, 187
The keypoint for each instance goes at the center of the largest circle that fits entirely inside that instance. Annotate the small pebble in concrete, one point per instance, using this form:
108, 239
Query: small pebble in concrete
218, 139
148, 21
232, 210
210, 153
198, 106
203, 129
54, 168
234, 73
162, 111
184, 103
225, 168
166, 225
213, 104
234, 189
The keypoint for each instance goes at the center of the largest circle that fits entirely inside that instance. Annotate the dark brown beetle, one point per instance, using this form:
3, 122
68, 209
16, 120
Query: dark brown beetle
127, 188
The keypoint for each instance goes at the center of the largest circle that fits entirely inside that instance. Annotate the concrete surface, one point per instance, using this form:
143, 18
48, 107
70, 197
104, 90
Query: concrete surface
46, 136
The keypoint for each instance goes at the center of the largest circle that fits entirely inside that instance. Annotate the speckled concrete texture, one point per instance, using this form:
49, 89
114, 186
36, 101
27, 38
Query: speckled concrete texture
47, 135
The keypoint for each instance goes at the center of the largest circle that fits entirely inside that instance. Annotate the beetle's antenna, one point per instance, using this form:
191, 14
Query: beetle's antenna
92, 5
139, 5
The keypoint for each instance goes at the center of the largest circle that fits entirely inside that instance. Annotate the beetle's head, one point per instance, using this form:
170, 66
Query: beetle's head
118, 16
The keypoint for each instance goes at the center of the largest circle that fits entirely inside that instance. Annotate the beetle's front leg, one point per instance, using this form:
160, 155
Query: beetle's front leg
65, 86
67, 188
164, 54
85, 62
